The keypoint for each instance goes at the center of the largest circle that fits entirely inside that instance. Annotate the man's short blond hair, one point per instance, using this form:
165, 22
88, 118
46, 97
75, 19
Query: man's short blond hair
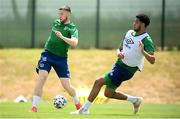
66, 8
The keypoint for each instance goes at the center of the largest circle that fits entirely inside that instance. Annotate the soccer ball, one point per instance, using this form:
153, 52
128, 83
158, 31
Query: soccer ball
59, 101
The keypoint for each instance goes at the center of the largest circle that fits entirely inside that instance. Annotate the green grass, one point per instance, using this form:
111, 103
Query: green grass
103, 111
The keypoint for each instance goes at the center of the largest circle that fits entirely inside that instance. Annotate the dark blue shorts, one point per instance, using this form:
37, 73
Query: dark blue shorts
59, 64
116, 76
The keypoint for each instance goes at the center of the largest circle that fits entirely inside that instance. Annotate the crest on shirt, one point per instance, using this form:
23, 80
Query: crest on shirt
65, 28
129, 40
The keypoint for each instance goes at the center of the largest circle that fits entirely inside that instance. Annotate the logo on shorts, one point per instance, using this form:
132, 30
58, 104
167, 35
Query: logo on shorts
111, 74
44, 58
41, 65
68, 75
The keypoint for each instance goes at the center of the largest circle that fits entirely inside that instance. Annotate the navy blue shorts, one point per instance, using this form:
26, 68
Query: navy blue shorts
59, 64
116, 76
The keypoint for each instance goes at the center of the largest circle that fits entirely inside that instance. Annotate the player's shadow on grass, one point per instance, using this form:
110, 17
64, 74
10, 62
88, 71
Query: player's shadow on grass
119, 115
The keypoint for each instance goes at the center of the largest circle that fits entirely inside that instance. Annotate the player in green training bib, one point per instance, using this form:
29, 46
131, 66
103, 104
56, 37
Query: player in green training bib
63, 35
136, 45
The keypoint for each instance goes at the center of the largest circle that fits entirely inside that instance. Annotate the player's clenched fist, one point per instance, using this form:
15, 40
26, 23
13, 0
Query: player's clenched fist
120, 54
59, 34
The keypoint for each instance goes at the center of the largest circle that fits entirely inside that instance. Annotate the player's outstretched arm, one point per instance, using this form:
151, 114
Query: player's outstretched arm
71, 41
148, 55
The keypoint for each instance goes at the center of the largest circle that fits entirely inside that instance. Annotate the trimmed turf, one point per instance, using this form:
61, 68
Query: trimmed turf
103, 111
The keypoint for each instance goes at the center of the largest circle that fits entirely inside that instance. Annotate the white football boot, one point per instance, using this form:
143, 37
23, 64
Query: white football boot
81, 111
137, 104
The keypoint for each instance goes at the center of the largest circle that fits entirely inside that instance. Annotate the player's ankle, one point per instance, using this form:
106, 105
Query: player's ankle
131, 99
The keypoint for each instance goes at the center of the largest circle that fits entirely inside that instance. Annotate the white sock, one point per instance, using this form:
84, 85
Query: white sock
76, 99
132, 99
36, 100
87, 105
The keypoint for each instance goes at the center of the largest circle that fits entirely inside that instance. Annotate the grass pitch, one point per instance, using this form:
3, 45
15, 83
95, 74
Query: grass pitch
98, 111
160, 83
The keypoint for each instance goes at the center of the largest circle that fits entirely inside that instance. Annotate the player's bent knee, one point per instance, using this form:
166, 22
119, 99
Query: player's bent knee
43, 75
66, 86
108, 94
99, 82
42, 79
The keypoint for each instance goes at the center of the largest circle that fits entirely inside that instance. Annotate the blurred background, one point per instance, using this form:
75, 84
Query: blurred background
101, 23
